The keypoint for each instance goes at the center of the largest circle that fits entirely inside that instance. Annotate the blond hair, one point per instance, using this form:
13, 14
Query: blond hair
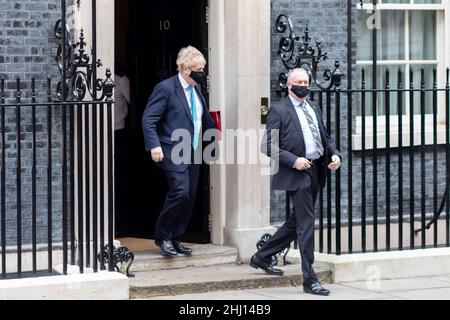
189, 57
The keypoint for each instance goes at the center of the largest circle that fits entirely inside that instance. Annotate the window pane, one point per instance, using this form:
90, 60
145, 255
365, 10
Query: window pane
422, 39
390, 37
393, 35
396, 1
381, 84
428, 1
428, 78
364, 47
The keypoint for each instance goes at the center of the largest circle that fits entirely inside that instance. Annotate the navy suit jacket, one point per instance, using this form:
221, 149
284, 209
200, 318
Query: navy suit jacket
291, 145
168, 110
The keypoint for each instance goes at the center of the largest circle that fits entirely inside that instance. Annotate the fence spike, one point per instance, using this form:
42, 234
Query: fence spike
447, 76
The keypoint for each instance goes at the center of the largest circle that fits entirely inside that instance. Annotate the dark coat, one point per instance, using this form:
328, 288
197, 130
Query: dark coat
168, 110
291, 146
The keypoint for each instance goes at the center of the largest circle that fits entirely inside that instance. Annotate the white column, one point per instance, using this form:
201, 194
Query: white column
217, 102
105, 52
105, 35
245, 46
447, 33
105, 31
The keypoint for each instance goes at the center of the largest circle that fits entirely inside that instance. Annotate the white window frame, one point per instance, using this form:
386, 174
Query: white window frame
442, 60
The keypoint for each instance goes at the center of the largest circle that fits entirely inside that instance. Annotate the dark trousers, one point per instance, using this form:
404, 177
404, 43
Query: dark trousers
176, 212
300, 226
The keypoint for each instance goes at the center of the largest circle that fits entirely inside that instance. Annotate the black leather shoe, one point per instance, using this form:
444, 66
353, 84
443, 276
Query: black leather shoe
166, 247
180, 248
315, 288
256, 262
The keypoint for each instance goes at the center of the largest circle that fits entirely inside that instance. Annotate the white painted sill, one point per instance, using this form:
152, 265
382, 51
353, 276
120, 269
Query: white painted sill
357, 139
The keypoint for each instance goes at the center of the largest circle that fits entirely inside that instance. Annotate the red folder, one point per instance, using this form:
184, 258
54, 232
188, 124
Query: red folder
215, 115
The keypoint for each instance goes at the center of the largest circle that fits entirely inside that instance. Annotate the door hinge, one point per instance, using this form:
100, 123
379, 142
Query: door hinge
207, 14
208, 83
210, 222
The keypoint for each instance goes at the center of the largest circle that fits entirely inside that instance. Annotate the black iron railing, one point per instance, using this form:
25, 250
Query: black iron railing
384, 201
388, 187
57, 185
56, 155
388, 167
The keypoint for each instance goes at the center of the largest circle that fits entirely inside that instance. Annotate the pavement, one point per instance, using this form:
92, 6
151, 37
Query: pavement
420, 288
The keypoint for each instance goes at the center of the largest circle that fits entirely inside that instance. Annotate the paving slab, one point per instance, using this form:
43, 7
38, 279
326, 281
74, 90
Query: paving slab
398, 284
444, 278
424, 294
286, 293
220, 295
338, 292
396, 290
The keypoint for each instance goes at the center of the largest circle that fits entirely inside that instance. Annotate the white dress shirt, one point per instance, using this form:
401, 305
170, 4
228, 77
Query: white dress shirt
311, 150
122, 99
198, 101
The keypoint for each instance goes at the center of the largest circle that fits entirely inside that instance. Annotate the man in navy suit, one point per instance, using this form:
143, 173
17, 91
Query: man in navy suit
175, 105
296, 138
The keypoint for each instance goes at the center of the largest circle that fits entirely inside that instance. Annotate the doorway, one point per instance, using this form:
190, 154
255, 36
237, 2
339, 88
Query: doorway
148, 36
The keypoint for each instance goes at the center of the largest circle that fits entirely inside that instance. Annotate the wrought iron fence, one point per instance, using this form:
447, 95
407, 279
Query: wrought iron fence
58, 137
393, 179
395, 142
56, 167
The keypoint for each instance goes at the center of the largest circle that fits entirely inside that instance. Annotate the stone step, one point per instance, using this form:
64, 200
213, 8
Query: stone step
214, 278
203, 255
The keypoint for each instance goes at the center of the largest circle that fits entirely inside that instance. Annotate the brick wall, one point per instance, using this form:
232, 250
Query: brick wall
27, 50
27, 42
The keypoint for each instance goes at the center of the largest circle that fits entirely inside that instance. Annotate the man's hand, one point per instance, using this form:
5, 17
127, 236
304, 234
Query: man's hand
302, 164
333, 166
157, 154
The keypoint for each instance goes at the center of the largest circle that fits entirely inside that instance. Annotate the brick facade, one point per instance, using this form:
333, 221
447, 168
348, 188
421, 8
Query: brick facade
28, 48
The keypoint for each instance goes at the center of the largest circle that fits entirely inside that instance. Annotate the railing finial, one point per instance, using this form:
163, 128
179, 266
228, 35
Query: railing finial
306, 56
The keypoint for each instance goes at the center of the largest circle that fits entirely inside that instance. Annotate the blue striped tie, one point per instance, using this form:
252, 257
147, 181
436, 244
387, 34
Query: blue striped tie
194, 118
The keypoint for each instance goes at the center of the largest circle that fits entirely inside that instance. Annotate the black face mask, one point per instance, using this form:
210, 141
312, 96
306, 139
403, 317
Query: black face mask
300, 91
198, 76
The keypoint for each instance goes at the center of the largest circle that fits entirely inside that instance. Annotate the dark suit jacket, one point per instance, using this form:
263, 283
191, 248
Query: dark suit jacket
291, 145
167, 110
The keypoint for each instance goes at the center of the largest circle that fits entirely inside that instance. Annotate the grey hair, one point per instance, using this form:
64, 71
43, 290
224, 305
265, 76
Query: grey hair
292, 71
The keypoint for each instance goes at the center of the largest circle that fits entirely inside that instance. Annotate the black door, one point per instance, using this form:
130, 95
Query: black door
149, 35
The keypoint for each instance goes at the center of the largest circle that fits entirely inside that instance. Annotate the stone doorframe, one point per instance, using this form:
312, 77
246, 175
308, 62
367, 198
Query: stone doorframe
239, 64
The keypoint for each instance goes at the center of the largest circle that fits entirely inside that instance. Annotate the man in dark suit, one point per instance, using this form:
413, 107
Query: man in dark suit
177, 104
296, 138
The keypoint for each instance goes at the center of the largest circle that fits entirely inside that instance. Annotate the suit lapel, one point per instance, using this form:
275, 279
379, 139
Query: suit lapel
199, 93
204, 107
182, 97
294, 115
319, 121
